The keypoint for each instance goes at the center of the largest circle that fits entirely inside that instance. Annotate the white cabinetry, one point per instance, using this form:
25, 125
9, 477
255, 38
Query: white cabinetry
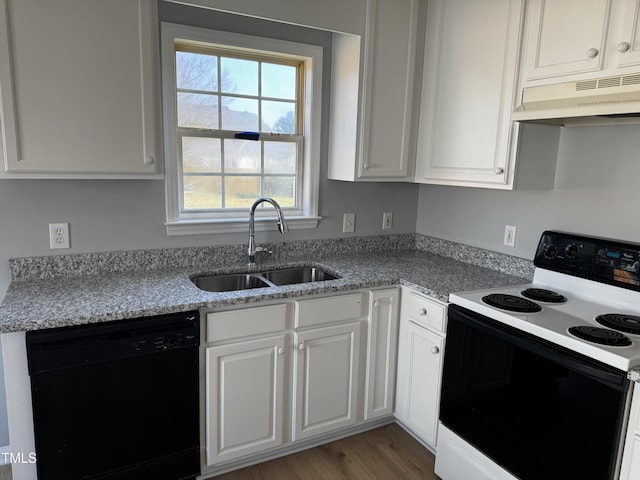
78, 89
381, 353
569, 38
465, 135
565, 37
294, 371
420, 354
372, 95
245, 382
631, 457
326, 364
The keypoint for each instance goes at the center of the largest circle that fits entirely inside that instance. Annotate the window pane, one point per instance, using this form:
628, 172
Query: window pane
241, 192
201, 154
199, 111
239, 114
239, 76
241, 156
280, 157
202, 192
281, 189
278, 117
195, 71
278, 81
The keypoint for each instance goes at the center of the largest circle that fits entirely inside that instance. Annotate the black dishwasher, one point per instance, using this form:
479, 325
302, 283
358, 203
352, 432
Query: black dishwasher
117, 400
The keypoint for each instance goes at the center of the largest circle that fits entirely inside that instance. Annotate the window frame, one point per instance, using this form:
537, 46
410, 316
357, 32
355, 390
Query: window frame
179, 222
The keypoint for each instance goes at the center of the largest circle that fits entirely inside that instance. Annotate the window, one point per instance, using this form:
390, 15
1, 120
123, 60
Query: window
242, 117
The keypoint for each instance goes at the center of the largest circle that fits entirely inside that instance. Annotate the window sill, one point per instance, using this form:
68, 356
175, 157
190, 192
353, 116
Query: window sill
237, 225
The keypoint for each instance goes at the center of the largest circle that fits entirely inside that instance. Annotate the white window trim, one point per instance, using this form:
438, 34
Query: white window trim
304, 218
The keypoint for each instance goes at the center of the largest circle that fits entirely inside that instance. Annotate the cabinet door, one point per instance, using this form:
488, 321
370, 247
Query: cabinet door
466, 136
420, 361
78, 89
372, 94
565, 37
389, 73
381, 353
326, 379
627, 42
244, 398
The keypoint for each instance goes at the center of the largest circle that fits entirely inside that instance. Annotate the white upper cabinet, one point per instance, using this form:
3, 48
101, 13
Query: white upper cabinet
466, 136
372, 95
567, 40
627, 42
565, 37
78, 89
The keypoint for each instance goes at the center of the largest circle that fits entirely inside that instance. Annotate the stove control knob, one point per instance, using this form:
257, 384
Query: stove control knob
571, 250
550, 251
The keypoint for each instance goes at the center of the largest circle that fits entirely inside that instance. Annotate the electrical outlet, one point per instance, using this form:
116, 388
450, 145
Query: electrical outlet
510, 236
349, 222
387, 220
58, 235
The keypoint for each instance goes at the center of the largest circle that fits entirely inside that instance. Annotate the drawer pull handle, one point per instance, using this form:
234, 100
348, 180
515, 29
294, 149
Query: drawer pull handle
422, 311
435, 350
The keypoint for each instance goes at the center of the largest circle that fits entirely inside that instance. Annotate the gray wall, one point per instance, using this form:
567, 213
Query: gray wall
595, 193
110, 215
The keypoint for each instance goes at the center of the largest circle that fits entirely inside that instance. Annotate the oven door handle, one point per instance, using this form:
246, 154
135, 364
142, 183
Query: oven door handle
556, 353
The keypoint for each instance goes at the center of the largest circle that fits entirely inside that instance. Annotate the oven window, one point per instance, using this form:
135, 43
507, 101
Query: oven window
536, 409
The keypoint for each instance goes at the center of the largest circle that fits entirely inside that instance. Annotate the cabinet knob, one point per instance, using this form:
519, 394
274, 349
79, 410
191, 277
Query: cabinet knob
592, 53
301, 346
435, 350
623, 47
366, 166
499, 170
280, 351
376, 304
422, 311
149, 160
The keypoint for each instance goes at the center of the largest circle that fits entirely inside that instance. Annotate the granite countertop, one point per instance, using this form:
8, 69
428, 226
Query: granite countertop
74, 300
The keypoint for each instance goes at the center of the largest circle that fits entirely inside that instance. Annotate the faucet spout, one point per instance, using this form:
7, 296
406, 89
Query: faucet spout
282, 226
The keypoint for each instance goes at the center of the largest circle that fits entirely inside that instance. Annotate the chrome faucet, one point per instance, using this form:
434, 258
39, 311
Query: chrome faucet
282, 226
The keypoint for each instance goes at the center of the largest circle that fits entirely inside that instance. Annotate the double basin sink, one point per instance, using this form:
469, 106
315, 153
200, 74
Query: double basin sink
270, 278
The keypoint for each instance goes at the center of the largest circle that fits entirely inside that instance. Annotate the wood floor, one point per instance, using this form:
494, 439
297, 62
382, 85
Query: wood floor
383, 453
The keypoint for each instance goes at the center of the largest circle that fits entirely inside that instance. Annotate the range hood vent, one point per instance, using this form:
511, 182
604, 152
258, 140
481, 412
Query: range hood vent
615, 98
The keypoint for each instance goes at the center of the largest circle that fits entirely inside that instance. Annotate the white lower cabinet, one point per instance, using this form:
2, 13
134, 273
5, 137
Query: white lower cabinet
283, 373
420, 354
245, 407
326, 379
382, 343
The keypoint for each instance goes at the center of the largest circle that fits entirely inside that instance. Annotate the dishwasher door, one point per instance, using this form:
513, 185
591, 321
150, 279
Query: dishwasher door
117, 400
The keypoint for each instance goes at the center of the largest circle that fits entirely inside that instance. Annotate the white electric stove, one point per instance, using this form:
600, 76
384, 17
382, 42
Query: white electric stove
585, 304
542, 367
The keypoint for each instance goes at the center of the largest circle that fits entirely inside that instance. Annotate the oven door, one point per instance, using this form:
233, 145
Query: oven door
534, 408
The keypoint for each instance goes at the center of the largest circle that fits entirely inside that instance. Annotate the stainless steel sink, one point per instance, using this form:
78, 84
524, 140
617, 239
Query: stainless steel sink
229, 283
291, 276
269, 278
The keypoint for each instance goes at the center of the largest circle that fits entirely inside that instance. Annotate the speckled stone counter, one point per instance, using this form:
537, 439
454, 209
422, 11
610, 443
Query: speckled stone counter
50, 300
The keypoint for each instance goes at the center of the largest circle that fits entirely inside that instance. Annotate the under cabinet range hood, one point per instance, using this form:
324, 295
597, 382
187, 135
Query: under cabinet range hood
613, 99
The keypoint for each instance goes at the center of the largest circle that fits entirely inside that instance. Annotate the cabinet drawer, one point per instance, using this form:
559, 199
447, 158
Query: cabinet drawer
246, 322
423, 310
317, 311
